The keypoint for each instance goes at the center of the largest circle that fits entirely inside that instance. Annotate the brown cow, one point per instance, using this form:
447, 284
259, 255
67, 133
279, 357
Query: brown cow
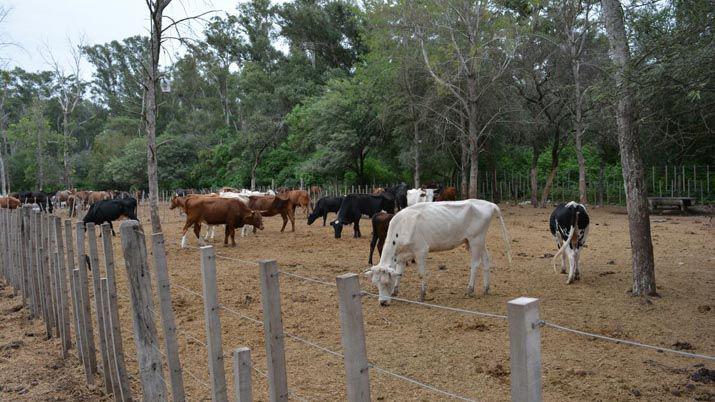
9, 202
300, 198
218, 211
380, 224
447, 194
96, 196
64, 195
377, 190
270, 205
82, 198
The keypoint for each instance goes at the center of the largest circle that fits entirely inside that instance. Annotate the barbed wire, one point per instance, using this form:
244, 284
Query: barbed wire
624, 341
441, 307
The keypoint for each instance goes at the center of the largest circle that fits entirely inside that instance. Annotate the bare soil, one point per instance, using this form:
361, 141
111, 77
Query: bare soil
463, 354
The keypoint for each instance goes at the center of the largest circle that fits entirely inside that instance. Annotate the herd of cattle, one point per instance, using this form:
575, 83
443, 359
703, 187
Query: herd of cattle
406, 223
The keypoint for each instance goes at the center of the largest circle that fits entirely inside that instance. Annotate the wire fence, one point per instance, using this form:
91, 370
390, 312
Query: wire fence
27, 262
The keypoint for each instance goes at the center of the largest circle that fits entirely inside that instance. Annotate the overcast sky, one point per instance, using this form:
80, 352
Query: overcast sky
35, 24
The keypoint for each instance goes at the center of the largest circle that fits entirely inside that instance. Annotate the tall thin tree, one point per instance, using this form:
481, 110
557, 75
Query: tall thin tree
631, 161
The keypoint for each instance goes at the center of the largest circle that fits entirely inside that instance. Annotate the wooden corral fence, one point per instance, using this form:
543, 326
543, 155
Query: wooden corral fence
41, 263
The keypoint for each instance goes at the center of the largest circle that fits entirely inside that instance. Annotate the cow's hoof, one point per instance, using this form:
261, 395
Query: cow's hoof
486, 291
470, 291
563, 270
395, 292
569, 281
422, 296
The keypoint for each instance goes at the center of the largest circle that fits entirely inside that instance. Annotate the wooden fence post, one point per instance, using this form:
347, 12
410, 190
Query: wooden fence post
167, 318
273, 331
98, 307
62, 279
88, 333
73, 289
46, 294
242, 374
525, 349
357, 370
145, 337
213, 324
117, 344
84, 346
107, 330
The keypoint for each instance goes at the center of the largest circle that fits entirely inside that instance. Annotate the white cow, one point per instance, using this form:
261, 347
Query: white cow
425, 227
417, 195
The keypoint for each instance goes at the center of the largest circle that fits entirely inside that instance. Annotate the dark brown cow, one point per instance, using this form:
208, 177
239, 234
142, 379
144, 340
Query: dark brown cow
270, 205
9, 202
380, 224
218, 211
447, 194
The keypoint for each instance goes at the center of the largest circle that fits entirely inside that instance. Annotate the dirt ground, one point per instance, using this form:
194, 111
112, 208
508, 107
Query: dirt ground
463, 354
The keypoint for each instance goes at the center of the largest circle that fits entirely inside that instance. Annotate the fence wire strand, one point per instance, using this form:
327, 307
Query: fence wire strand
421, 384
625, 341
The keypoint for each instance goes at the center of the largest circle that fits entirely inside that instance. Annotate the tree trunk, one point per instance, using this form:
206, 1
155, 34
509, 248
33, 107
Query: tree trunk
555, 149
40, 154
473, 138
151, 110
65, 151
578, 132
417, 141
633, 175
464, 183
3, 189
532, 175
601, 186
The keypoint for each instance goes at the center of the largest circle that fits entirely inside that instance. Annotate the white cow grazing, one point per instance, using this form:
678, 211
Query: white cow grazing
417, 195
425, 227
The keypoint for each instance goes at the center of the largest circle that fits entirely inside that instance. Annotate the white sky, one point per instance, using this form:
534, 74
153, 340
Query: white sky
34, 24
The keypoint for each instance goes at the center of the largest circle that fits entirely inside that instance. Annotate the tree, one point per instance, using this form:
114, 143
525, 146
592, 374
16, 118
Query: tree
466, 47
643, 263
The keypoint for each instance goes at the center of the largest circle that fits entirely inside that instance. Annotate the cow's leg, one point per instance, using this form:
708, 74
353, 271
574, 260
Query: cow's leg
422, 271
184, 233
291, 216
400, 270
356, 228
485, 269
572, 263
232, 231
112, 227
563, 258
285, 220
226, 233
325, 218
475, 250
373, 243
577, 275
197, 232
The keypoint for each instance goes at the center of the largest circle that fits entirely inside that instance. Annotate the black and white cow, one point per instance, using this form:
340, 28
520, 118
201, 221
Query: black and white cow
354, 206
569, 227
325, 205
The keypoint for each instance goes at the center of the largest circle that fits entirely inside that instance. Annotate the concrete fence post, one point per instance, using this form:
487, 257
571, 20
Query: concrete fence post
273, 331
525, 349
98, 307
242, 375
83, 291
357, 371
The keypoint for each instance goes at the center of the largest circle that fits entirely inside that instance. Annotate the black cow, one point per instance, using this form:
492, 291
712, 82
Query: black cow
399, 192
356, 205
325, 205
120, 195
569, 227
111, 210
35, 197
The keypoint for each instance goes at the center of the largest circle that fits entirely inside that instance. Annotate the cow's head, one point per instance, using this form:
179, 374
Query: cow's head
312, 217
256, 220
338, 226
385, 278
176, 201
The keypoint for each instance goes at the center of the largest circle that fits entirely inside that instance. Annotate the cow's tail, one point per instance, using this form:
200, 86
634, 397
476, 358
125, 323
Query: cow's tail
563, 246
504, 234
